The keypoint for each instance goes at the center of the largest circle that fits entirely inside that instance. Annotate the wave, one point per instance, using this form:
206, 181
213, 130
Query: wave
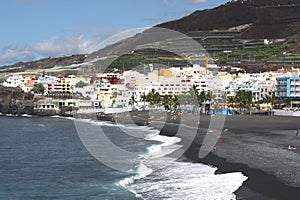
162, 177
62, 117
183, 180
26, 115
159, 176
11, 115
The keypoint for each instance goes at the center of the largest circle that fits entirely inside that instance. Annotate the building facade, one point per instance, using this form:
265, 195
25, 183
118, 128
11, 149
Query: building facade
288, 87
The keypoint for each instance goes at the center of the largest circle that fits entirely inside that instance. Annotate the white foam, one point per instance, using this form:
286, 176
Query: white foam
11, 115
55, 116
179, 180
104, 123
142, 172
62, 117
26, 115
95, 122
170, 179
166, 141
188, 181
149, 160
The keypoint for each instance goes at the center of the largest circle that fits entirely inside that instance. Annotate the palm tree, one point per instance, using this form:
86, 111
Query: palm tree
167, 101
150, 97
194, 97
244, 98
208, 96
153, 97
175, 102
157, 99
144, 98
132, 100
231, 100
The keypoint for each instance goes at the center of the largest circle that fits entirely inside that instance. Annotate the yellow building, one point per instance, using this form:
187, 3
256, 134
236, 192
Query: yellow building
165, 73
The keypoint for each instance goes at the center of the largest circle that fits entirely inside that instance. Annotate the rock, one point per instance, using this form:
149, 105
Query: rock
15, 101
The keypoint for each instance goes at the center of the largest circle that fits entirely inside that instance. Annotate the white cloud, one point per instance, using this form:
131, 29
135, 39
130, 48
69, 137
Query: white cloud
12, 54
199, 1
54, 46
58, 46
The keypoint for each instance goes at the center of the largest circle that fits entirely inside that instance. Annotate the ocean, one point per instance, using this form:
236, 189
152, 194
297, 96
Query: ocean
51, 158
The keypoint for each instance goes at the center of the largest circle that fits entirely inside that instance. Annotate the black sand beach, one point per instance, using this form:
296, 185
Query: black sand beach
255, 145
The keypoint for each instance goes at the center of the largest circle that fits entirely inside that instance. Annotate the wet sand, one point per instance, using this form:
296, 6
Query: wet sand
253, 145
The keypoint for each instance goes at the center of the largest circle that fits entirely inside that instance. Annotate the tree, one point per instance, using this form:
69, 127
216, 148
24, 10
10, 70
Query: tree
202, 98
244, 98
167, 101
81, 84
157, 98
132, 100
150, 97
144, 98
209, 96
194, 96
38, 88
175, 102
231, 100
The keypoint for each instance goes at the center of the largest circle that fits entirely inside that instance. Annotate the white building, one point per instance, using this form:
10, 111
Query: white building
14, 81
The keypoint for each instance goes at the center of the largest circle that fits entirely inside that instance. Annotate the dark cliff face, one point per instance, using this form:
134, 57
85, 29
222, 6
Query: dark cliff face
15, 101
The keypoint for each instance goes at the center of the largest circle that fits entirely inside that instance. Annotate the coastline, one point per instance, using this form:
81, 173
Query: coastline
245, 133
244, 130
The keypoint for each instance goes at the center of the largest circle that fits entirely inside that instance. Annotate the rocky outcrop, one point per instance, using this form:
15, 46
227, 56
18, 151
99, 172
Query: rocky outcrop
15, 101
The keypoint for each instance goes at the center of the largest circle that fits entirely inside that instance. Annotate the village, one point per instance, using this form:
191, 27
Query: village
168, 88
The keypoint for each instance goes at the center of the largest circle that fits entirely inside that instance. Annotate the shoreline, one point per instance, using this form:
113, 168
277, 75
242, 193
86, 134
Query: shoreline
262, 183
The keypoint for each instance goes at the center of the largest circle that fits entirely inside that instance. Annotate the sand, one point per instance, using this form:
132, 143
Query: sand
257, 146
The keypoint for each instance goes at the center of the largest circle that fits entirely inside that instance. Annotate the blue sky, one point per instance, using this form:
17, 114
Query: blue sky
33, 29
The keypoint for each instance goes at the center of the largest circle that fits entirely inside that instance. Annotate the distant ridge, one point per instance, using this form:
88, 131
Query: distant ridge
45, 63
267, 19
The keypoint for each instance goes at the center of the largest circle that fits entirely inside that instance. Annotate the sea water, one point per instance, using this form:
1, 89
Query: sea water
44, 158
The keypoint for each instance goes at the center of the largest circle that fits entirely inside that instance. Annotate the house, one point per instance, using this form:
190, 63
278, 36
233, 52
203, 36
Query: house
45, 80
45, 107
14, 81
28, 86
104, 93
60, 87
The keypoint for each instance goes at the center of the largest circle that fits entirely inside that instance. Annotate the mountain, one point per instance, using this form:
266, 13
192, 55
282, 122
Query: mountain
45, 63
238, 26
241, 27
235, 24
264, 19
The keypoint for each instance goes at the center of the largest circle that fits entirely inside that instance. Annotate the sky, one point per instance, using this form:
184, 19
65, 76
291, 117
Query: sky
34, 29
